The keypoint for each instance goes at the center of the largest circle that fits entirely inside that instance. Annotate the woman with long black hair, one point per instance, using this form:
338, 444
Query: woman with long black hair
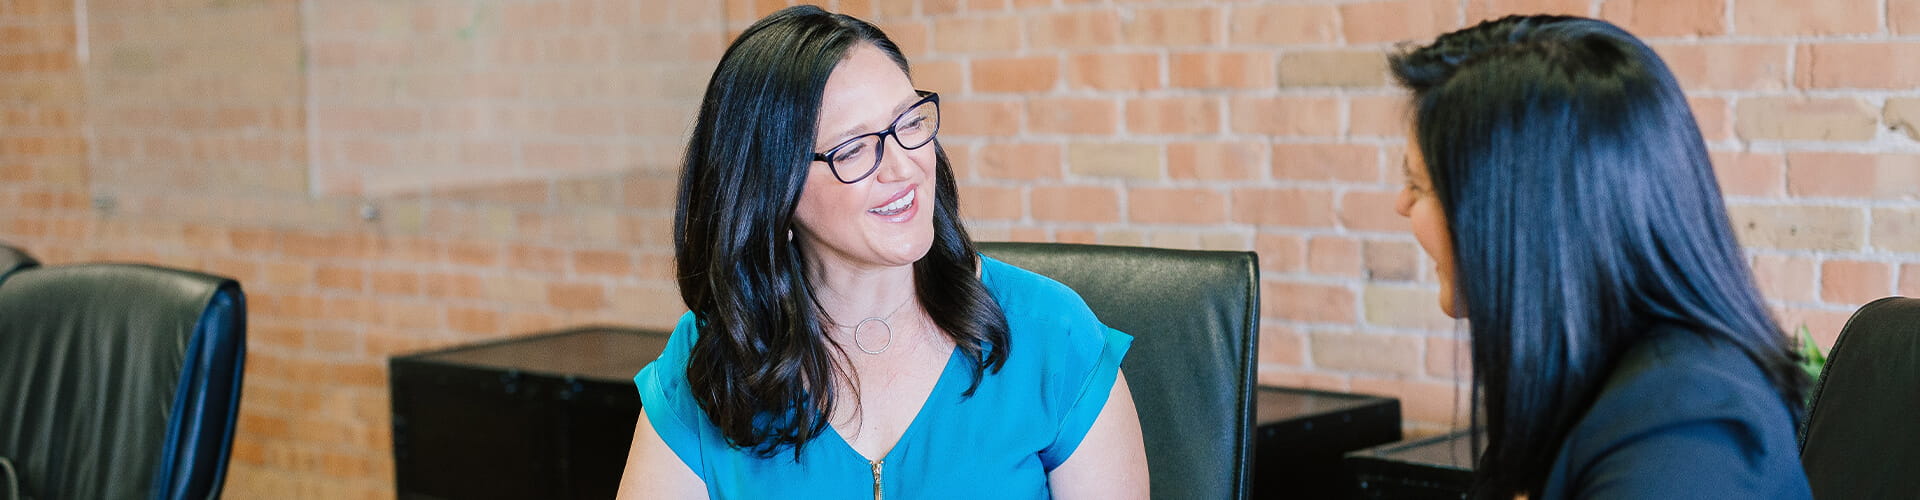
844, 338
1620, 348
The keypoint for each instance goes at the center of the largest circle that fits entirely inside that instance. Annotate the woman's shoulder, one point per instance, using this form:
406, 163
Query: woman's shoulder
1698, 402
1029, 296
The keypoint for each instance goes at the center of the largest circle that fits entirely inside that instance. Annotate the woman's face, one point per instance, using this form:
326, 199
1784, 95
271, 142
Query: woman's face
886, 219
1417, 202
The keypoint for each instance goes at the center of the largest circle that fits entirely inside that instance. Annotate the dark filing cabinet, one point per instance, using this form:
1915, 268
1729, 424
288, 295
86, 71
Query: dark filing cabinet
1436, 468
1302, 435
545, 416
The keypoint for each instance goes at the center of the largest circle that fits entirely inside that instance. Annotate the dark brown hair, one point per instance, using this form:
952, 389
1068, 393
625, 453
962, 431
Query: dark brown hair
762, 367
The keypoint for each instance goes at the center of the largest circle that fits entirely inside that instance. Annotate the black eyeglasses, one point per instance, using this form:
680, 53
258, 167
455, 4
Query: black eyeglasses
911, 130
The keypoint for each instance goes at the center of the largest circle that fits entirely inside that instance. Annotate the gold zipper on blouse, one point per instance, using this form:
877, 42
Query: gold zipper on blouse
876, 477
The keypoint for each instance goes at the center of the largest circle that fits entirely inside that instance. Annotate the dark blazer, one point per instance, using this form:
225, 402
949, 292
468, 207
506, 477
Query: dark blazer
1682, 417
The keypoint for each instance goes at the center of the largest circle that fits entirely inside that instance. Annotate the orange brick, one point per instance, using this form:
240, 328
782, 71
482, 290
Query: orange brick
1750, 174
1285, 116
1221, 70
1061, 115
1019, 161
1372, 211
1283, 24
1798, 17
1075, 30
1903, 16
1713, 116
1015, 74
1666, 18
979, 202
1334, 256
1394, 21
1216, 160
1740, 66
1326, 162
1124, 71
1283, 207
1851, 175
339, 278
941, 7
539, 258
1333, 68
576, 296
1806, 119
976, 35
394, 282
473, 320
1280, 252
940, 76
1176, 206
981, 118
1909, 280
1384, 116
1480, 10
602, 263
1173, 26
1799, 227
1306, 302
1858, 66
1449, 358
1854, 283
1279, 344
1173, 115
1075, 204
912, 37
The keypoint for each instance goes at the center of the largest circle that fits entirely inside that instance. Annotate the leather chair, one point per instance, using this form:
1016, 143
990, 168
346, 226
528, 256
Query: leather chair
1861, 439
119, 381
1194, 317
14, 259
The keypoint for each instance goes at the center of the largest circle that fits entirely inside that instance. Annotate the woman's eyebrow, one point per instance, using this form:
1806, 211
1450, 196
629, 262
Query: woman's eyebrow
857, 129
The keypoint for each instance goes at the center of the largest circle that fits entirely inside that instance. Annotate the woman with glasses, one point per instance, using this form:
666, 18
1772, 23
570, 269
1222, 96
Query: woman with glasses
844, 338
1620, 348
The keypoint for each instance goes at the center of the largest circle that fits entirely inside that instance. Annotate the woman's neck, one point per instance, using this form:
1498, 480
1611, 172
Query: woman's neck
849, 295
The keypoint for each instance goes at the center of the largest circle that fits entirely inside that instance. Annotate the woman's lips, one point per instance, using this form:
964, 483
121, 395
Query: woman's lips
896, 205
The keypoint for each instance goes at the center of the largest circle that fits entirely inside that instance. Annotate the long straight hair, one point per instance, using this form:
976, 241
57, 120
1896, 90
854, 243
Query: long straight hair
763, 368
1584, 210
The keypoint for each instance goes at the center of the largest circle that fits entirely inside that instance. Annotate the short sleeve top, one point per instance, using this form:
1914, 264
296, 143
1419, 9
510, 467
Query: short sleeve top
1019, 424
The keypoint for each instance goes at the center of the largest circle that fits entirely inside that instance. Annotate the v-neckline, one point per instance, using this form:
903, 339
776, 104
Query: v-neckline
939, 384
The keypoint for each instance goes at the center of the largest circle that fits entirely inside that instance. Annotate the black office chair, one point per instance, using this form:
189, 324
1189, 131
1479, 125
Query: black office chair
14, 259
1862, 434
1194, 317
118, 381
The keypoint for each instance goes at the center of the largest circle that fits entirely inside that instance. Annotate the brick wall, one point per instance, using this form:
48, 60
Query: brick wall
393, 176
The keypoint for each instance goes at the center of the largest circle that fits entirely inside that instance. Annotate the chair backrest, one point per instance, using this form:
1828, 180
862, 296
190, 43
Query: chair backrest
1862, 434
14, 259
119, 380
1194, 316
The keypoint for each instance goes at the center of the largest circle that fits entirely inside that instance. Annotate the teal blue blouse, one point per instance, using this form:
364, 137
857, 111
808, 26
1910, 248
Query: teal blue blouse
1021, 423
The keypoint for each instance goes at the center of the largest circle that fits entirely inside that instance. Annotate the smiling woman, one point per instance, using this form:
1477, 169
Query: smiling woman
816, 212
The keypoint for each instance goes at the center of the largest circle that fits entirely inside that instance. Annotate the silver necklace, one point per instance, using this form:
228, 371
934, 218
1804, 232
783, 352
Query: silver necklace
883, 324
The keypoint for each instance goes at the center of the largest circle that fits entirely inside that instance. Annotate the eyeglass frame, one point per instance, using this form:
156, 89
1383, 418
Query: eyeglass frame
879, 154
